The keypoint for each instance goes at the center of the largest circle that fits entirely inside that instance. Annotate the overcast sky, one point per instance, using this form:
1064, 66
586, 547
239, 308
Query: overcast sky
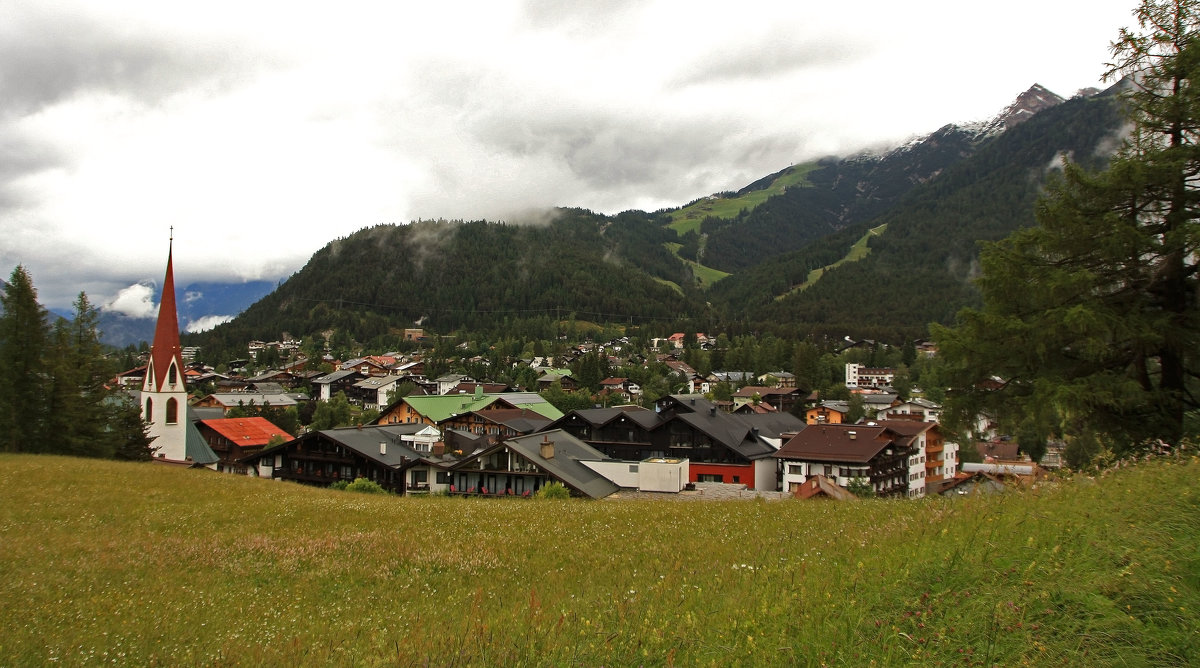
262, 131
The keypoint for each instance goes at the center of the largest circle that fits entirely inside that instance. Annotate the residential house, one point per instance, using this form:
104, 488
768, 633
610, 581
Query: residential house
918, 409
339, 381
720, 447
780, 398
933, 459
777, 379
234, 439
828, 412
460, 411
450, 381
371, 365
377, 453
621, 387
560, 376
858, 376
521, 465
373, 392
734, 378
876, 403
132, 378
227, 401
844, 453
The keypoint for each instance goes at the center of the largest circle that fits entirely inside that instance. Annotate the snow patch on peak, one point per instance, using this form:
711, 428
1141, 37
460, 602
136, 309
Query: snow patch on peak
1037, 98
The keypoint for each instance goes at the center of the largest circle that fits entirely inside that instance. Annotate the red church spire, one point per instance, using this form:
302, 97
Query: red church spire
166, 332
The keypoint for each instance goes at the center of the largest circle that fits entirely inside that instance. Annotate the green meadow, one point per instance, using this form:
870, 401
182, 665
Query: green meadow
689, 217
136, 564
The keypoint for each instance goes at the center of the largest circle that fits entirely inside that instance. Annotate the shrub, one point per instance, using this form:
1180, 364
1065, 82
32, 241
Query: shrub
365, 486
339, 485
554, 490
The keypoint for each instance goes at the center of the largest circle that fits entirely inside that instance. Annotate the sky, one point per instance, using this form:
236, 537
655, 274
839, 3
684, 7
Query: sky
261, 131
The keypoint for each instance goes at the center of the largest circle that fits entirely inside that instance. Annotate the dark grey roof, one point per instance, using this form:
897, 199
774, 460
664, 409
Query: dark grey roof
770, 425
335, 376
566, 465
366, 440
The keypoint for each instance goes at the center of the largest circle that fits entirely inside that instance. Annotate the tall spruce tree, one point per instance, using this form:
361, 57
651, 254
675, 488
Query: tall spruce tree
81, 407
1090, 325
23, 337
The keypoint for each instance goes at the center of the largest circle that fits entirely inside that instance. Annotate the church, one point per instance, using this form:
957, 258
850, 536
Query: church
164, 399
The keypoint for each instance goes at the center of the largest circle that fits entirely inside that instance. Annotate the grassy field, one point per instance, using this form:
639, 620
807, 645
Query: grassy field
705, 275
142, 565
688, 218
858, 251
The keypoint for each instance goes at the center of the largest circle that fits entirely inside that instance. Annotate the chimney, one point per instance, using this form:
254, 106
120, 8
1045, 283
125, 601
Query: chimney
547, 448
712, 410
439, 449
382, 448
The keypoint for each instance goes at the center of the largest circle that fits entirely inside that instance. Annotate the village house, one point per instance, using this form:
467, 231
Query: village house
859, 376
870, 454
373, 393
777, 379
234, 439
339, 381
228, 401
322, 458
371, 365
828, 412
720, 447
561, 376
620, 387
933, 459
918, 409
779, 398
459, 411
520, 466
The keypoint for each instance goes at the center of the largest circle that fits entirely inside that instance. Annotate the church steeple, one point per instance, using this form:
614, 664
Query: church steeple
166, 348
164, 395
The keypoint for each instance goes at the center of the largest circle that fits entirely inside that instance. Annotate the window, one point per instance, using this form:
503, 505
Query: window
633, 468
171, 376
172, 411
443, 478
149, 410
795, 469
710, 477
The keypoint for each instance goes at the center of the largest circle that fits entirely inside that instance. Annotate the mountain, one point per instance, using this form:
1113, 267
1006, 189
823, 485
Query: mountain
201, 305
915, 214
478, 275
921, 262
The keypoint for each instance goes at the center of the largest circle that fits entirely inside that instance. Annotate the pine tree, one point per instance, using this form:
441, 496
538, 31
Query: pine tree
1090, 320
23, 340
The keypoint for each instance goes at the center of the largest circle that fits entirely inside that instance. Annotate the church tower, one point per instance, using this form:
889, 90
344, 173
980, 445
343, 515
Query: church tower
164, 397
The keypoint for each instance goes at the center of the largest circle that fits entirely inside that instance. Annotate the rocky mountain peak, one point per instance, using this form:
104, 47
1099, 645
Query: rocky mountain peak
1037, 98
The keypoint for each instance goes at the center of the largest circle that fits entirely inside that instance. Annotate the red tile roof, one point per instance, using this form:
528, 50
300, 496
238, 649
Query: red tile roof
244, 432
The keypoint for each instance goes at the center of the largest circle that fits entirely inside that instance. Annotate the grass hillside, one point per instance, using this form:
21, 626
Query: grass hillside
688, 218
143, 565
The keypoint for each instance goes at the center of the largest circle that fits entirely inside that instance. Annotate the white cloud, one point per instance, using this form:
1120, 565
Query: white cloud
135, 301
206, 323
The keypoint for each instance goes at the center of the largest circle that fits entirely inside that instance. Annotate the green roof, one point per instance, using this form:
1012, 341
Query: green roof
444, 407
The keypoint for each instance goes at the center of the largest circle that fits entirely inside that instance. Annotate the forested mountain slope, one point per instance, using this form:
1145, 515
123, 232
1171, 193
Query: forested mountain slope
477, 275
919, 269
